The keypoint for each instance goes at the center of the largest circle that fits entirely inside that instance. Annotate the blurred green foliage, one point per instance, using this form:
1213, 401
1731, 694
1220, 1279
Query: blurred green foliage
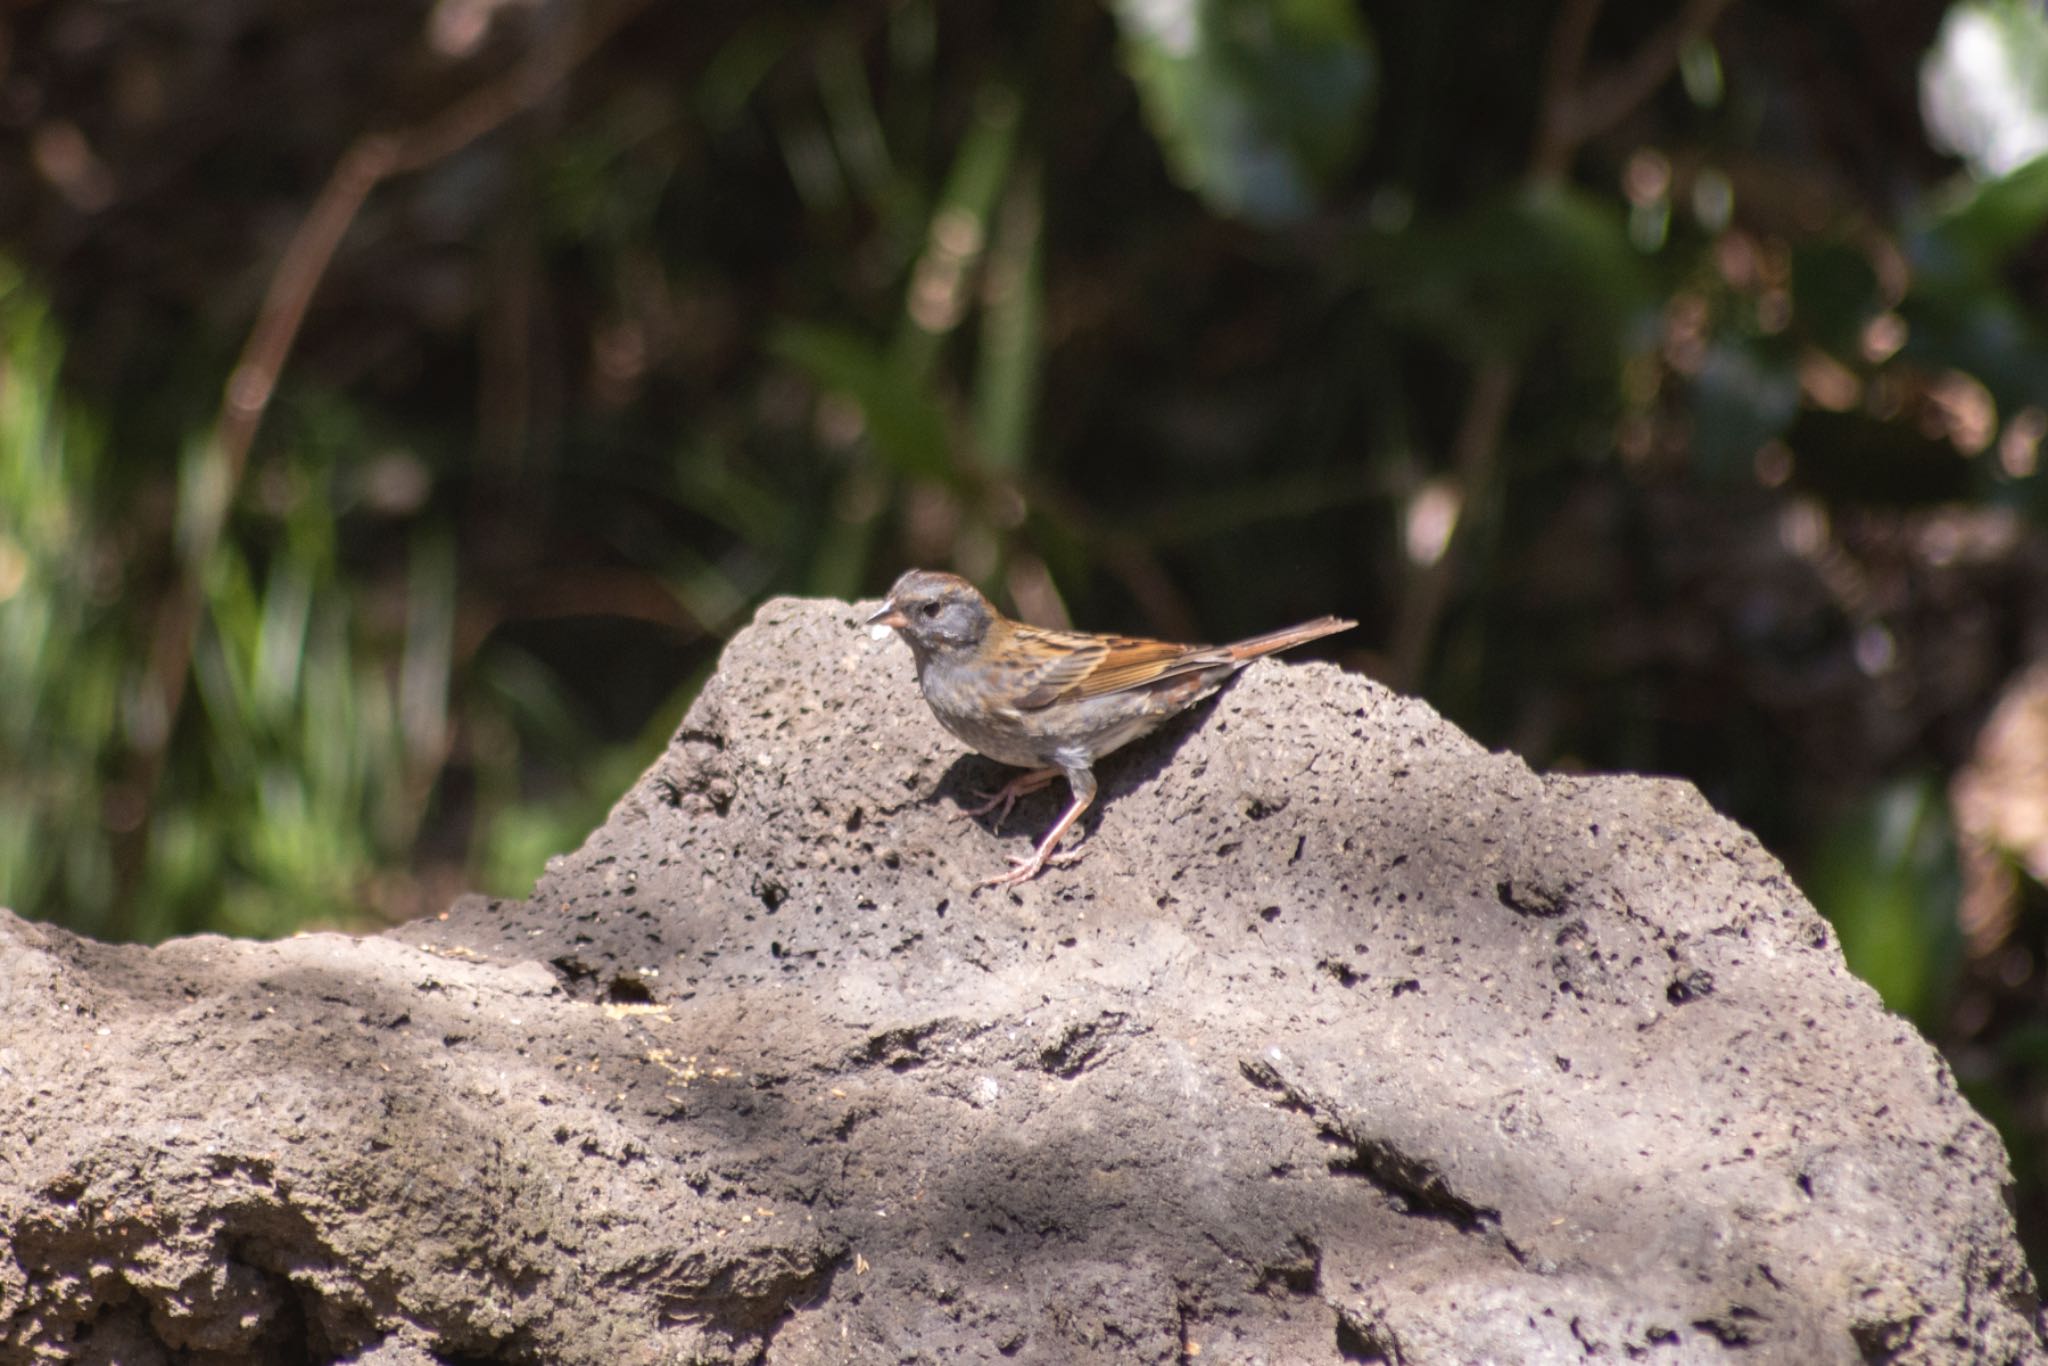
60, 664
319, 718
1258, 106
1662, 387
1887, 872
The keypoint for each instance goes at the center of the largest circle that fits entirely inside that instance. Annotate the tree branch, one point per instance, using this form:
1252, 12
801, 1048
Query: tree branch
252, 383
1572, 113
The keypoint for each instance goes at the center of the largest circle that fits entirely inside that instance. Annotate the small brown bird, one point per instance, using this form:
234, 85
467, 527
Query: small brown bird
1052, 702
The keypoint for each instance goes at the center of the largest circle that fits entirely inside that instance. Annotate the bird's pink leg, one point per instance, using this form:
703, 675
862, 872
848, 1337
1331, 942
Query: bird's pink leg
1083, 783
1023, 785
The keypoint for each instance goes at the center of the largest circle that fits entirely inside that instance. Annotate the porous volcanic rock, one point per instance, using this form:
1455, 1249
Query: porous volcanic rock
1346, 1040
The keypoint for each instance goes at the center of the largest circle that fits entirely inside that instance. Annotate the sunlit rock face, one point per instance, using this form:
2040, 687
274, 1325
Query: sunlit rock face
1345, 1040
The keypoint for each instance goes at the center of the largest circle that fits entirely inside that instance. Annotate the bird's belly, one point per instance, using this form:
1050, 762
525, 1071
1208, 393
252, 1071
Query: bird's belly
1005, 739
1043, 739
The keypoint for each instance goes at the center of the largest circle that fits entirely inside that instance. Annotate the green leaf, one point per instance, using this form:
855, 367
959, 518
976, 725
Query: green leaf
1973, 233
904, 420
1984, 85
1885, 877
1962, 312
1513, 274
1012, 331
957, 236
1744, 395
1258, 106
1835, 294
427, 666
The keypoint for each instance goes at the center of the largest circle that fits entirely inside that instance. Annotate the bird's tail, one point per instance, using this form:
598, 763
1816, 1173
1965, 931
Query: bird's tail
1285, 639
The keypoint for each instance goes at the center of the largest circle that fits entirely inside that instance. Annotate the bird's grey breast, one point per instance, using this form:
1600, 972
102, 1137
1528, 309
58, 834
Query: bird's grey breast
961, 702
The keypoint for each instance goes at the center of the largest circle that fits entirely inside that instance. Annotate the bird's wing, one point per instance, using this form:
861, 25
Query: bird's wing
1077, 665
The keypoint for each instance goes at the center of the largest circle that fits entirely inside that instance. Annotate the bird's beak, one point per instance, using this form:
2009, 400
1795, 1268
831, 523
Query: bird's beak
888, 614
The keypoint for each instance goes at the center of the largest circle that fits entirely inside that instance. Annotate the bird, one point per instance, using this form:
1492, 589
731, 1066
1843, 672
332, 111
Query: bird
1052, 702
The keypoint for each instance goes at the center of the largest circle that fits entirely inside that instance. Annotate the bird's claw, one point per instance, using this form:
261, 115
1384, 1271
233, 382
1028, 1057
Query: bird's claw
1024, 869
989, 801
1003, 798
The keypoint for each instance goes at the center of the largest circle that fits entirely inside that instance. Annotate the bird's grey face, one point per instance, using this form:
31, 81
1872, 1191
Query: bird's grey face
935, 613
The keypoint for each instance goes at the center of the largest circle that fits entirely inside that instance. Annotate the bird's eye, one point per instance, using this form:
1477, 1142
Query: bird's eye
930, 609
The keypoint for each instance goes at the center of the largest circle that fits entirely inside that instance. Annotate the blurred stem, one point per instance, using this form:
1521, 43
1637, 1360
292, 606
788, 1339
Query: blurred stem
1574, 110
957, 237
373, 158
252, 383
1013, 326
1474, 454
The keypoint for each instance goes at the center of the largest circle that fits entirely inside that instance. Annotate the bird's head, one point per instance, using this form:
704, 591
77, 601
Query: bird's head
935, 613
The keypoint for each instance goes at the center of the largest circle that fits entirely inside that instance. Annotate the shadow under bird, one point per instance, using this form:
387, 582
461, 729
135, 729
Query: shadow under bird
1052, 702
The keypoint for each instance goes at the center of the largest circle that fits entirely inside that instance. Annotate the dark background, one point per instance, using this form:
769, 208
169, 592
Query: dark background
399, 404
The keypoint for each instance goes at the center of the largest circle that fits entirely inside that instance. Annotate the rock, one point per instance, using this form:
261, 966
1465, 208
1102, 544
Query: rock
1345, 1041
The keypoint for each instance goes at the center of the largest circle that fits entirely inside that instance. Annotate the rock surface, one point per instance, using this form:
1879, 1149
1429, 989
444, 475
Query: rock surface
1346, 1041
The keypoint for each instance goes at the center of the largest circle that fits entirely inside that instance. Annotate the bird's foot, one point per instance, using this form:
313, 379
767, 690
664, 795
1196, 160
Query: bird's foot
1002, 799
1025, 869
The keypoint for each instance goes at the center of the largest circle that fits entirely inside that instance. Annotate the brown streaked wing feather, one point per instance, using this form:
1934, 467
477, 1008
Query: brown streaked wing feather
1062, 658
1138, 663
1092, 665
1134, 662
